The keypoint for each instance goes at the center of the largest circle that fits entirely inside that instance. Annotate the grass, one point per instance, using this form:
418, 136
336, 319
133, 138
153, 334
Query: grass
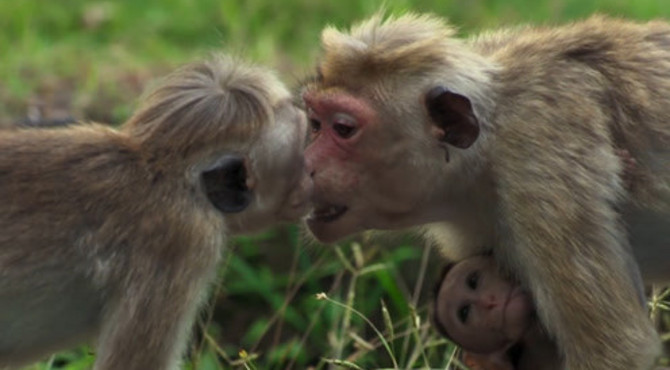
101, 53
92, 59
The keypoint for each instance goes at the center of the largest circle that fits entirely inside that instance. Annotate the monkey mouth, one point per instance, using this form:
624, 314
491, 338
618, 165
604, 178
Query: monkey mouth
326, 213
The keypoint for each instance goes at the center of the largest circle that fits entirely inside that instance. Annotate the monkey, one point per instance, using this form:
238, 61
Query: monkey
508, 140
113, 235
490, 317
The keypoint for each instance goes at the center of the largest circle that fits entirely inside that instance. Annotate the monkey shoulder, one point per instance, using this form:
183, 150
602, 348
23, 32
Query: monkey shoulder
600, 45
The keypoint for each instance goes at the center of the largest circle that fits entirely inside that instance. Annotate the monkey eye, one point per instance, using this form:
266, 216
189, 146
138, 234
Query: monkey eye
473, 280
463, 313
344, 125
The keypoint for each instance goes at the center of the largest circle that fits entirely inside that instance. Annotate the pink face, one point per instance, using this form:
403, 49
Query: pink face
479, 309
365, 171
332, 154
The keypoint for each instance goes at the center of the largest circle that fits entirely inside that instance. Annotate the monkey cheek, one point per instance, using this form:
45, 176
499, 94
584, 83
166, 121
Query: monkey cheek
517, 316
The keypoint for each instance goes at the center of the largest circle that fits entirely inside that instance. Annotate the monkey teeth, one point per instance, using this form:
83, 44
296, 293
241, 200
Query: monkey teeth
327, 213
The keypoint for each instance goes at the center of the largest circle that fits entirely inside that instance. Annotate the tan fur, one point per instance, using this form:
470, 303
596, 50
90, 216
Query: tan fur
107, 234
542, 183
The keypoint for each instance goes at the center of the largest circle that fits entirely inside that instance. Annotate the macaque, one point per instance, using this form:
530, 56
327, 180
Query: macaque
491, 318
508, 141
114, 235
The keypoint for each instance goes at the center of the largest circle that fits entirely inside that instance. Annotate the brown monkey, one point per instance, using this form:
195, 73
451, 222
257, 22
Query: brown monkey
114, 235
508, 139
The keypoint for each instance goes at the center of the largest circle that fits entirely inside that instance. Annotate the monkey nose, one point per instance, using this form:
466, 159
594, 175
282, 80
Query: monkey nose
309, 167
487, 302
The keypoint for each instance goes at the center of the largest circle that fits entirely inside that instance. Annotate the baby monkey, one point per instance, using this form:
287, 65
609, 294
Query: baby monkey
492, 318
114, 235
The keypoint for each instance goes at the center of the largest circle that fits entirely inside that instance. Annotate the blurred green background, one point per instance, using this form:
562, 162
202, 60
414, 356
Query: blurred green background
90, 60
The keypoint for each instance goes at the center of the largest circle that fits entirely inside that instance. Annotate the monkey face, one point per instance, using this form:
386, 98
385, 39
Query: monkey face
481, 310
277, 183
375, 168
383, 128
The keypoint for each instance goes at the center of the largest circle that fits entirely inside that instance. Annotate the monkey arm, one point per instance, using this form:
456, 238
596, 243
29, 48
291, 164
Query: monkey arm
149, 325
564, 239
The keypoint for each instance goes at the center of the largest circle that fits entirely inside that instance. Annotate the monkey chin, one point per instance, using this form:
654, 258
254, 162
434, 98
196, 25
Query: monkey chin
330, 224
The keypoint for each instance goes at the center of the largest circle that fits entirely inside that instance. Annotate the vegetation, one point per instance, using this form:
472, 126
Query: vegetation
92, 59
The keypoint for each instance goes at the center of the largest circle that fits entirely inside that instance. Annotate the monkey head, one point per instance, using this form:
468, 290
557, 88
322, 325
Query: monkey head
390, 122
234, 130
215, 149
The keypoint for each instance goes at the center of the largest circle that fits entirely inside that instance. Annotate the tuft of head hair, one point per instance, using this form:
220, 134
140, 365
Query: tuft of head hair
408, 43
207, 102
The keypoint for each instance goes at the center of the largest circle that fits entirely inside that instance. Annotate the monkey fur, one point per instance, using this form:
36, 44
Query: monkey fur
114, 235
508, 140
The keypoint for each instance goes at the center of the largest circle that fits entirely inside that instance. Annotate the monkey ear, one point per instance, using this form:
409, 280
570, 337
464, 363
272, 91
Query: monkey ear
226, 185
453, 117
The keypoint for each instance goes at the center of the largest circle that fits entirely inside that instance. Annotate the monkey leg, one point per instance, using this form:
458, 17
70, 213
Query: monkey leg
149, 327
563, 237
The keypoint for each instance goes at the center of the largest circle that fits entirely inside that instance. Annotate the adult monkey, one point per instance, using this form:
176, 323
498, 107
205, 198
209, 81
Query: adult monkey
509, 140
114, 234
